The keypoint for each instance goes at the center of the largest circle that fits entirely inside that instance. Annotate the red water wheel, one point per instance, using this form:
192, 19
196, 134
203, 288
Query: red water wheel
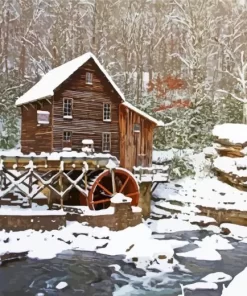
102, 189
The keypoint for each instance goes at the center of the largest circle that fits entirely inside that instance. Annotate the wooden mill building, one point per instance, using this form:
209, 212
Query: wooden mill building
79, 104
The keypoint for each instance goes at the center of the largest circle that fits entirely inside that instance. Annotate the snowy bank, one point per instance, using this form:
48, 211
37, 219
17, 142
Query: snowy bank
76, 236
238, 285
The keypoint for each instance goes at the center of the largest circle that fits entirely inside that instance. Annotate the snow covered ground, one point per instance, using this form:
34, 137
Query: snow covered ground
148, 245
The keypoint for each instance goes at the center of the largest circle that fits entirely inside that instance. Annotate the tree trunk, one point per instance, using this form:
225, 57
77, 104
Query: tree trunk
245, 113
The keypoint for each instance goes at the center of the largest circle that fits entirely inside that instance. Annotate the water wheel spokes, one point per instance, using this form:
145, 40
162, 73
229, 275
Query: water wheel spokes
104, 187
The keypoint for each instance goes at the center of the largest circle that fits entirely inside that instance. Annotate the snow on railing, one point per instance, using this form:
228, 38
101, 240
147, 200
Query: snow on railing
154, 174
22, 173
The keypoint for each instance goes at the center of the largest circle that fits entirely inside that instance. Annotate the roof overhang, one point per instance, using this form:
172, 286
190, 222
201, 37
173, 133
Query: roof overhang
46, 87
158, 123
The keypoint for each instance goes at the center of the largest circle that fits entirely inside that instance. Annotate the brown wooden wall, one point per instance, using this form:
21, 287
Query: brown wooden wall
87, 122
34, 137
135, 148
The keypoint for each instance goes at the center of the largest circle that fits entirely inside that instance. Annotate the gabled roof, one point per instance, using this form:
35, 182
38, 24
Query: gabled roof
49, 82
143, 114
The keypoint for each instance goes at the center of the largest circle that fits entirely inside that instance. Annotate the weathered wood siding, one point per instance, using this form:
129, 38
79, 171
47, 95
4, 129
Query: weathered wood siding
87, 122
34, 137
135, 148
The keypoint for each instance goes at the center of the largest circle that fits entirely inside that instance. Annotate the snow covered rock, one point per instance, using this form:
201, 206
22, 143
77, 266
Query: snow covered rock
201, 286
217, 277
61, 286
233, 132
204, 254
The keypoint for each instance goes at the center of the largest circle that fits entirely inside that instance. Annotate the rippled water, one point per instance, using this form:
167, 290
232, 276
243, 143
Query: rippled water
88, 273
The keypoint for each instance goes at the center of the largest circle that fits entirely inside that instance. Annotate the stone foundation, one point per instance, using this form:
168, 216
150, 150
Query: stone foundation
122, 218
20, 223
145, 199
225, 216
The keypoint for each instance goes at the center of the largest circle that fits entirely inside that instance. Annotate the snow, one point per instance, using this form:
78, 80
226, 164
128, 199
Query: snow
75, 236
206, 254
68, 149
43, 112
143, 114
216, 242
233, 132
57, 155
217, 277
206, 192
120, 198
136, 209
237, 231
111, 165
85, 211
46, 86
172, 225
200, 219
201, 286
61, 285
238, 285
29, 212
43, 122
235, 166
87, 142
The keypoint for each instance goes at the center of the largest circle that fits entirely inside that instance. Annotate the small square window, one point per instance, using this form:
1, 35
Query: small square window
106, 142
137, 128
67, 136
107, 112
89, 78
67, 108
43, 117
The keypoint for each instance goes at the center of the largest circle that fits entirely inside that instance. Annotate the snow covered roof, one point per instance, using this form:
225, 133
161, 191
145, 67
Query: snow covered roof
49, 82
147, 116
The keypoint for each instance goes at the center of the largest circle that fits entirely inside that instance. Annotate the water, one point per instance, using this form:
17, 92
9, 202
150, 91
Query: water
89, 273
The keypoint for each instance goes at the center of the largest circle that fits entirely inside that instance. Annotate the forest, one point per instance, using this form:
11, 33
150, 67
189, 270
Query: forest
182, 61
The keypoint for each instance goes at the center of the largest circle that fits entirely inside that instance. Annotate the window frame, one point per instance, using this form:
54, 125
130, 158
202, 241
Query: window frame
40, 121
137, 131
64, 101
69, 132
108, 119
89, 81
103, 142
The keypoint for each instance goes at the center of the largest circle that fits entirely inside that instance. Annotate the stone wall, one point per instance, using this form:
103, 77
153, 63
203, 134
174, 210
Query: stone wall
225, 216
121, 219
20, 223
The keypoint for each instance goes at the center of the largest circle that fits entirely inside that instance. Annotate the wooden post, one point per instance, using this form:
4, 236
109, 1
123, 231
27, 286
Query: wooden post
30, 189
1, 183
85, 181
113, 181
61, 189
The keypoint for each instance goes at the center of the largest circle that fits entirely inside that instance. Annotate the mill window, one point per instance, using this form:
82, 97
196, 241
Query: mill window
67, 136
107, 112
89, 78
137, 128
67, 108
106, 142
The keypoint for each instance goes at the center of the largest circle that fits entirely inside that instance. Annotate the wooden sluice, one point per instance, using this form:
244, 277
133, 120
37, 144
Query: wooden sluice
93, 178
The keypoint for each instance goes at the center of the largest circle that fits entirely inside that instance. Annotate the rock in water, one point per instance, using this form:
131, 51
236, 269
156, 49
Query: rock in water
61, 285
